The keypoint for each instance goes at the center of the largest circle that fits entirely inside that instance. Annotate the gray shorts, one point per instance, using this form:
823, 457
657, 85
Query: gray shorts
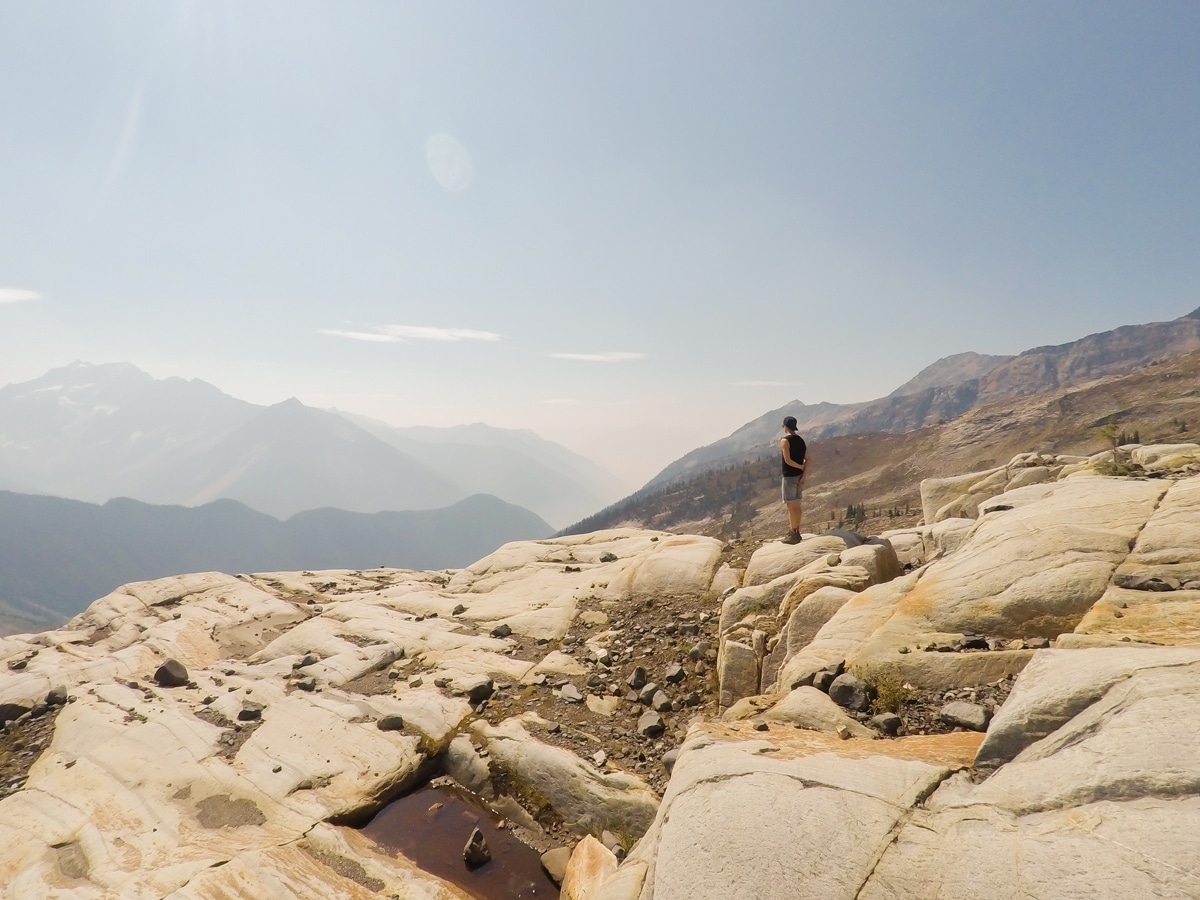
791, 488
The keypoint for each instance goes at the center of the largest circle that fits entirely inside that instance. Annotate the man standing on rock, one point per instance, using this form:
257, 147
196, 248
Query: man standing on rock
795, 471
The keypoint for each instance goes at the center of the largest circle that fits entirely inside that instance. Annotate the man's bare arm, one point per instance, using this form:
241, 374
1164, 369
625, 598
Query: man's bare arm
787, 458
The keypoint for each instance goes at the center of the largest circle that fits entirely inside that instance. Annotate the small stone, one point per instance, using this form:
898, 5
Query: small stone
669, 758
608, 557
823, 679
390, 723
843, 732
501, 631
637, 678
599, 757
250, 711
850, 692
660, 702
539, 678
571, 694
415, 681
886, 723
476, 688
308, 659
965, 715
277, 769
555, 863
646, 694
650, 724
675, 674
458, 610
476, 852
763, 726
172, 673
57, 696
1038, 643
699, 650
609, 840
307, 683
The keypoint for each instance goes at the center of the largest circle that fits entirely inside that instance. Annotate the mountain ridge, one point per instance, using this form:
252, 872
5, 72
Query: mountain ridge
1030, 372
59, 555
94, 432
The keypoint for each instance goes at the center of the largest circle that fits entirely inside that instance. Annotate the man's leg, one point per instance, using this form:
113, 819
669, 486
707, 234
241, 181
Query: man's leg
795, 514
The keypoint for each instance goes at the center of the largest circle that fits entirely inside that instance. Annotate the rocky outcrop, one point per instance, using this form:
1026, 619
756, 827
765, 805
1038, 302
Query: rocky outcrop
211, 735
1076, 794
1082, 560
304, 702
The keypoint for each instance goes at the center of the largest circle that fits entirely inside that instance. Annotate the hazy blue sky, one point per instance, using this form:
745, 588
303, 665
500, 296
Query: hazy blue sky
629, 226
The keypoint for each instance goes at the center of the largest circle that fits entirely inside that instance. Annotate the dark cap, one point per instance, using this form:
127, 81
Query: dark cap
790, 422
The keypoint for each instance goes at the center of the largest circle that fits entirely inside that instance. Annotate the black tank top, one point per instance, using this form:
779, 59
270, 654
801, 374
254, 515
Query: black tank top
797, 448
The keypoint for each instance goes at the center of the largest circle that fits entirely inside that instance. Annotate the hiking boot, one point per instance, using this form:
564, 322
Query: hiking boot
792, 538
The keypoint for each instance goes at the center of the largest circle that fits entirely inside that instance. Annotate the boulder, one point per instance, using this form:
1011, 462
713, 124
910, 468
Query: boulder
961, 714
1165, 457
910, 547
807, 707
959, 496
773, 559
738, 672
1058, 685
726, 579
948, 535
172, 673
588, 800
591, 864
1095, 808
877, 557
760, 599
462, 762
796, 815
850, 692
810, 616
1030, 571
555, 863
650, 724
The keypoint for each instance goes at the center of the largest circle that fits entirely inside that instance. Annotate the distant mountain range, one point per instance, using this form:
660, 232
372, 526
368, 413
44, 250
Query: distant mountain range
57, 556
95, 432
947, 389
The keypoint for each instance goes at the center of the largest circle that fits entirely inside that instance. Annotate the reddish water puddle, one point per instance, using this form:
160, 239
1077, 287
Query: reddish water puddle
432, 825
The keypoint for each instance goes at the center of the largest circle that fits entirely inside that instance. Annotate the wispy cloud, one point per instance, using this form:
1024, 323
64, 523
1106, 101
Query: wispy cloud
18, 295
399, 334
762, 384
612, 356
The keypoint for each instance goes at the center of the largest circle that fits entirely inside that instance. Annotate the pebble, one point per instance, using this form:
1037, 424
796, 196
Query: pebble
476, 852
171, 673
571, 694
